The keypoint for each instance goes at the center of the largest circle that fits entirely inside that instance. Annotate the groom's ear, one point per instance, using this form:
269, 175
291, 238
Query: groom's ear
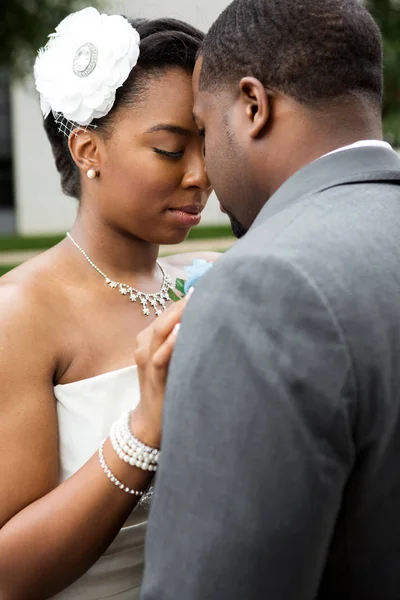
257, 104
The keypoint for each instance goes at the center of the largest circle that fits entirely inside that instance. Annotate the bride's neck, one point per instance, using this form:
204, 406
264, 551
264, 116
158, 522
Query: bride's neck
117, 254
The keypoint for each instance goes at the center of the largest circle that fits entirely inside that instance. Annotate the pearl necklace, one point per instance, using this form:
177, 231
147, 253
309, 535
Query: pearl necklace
156, 300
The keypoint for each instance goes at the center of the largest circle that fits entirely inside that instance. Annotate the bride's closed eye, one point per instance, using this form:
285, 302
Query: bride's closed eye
174, 155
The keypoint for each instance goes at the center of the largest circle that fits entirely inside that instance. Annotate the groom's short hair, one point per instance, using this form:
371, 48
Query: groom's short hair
311, 50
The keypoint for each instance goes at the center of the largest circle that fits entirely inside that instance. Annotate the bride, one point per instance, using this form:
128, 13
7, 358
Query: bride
75, 463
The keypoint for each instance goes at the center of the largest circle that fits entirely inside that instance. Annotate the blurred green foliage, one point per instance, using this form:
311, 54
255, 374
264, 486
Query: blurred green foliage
387, 14
25, 25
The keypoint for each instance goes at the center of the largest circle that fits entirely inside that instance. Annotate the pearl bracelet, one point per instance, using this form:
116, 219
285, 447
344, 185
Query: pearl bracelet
130, 449
112, 477
134, 441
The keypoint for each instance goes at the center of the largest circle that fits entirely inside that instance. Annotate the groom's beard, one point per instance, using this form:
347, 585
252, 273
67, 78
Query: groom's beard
238, 229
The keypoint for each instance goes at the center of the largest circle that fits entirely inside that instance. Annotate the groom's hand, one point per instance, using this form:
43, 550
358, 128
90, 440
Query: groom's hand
153, 351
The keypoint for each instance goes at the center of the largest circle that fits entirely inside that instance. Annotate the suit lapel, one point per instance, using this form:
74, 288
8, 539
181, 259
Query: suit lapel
359, 165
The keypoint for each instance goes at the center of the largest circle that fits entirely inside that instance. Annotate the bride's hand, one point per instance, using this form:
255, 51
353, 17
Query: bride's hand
153, 351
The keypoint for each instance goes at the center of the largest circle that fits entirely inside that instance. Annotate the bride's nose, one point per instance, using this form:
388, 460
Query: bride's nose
195, 175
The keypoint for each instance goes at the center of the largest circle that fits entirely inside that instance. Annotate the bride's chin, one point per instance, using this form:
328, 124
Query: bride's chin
166, 237
174, 237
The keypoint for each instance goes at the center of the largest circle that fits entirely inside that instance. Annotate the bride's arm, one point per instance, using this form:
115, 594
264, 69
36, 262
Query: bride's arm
51, 534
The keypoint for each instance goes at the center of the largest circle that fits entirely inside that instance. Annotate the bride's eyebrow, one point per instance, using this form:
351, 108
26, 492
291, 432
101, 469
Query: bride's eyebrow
171, 129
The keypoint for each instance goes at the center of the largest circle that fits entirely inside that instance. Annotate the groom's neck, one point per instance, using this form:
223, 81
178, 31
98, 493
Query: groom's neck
301, 135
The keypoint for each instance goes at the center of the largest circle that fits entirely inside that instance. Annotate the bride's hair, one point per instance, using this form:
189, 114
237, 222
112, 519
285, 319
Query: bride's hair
164, 43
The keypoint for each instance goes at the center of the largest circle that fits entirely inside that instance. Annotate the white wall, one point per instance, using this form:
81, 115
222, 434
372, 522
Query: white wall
40, 205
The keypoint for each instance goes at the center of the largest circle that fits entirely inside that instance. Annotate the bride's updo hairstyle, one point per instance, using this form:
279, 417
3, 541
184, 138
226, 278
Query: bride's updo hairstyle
164, 44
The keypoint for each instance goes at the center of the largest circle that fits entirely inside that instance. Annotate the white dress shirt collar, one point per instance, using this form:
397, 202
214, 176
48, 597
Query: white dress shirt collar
361, 144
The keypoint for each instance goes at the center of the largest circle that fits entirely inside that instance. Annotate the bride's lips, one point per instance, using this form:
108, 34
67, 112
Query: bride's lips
188, 216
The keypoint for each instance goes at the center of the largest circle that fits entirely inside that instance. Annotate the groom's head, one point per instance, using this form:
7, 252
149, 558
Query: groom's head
279, 83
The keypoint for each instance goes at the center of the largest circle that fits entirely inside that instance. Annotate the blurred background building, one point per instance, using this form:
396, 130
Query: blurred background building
31, 201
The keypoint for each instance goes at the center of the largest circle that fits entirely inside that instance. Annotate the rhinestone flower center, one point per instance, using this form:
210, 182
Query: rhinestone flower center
85, 60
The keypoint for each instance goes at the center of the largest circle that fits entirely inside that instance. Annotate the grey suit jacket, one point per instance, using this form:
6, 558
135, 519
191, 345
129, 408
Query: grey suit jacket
280, 471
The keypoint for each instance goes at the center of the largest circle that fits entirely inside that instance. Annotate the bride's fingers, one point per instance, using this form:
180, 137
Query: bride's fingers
150, 339
161, 358
165, 324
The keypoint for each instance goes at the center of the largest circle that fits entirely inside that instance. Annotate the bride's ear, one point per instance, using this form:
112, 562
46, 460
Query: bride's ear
257, 104
84, 148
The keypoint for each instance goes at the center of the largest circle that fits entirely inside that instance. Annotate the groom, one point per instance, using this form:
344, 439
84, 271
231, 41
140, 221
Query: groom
280, 475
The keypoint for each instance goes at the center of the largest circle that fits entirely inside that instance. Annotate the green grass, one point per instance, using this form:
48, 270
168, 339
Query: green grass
14, 242
205, 232
5, 268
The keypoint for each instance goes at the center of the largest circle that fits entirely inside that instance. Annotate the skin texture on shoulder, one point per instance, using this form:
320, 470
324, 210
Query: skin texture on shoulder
28, 347
42, 288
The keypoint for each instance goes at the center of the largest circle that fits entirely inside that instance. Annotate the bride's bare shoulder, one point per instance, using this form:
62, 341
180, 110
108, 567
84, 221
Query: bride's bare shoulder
32, 287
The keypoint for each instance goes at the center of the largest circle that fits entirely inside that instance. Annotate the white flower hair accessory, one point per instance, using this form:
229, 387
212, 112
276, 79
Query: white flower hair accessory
86, 60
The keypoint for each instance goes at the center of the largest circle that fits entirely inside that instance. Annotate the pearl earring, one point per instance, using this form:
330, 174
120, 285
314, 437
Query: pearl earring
91, 174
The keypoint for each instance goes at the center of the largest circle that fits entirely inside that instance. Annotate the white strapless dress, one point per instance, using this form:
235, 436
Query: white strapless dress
86, 409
